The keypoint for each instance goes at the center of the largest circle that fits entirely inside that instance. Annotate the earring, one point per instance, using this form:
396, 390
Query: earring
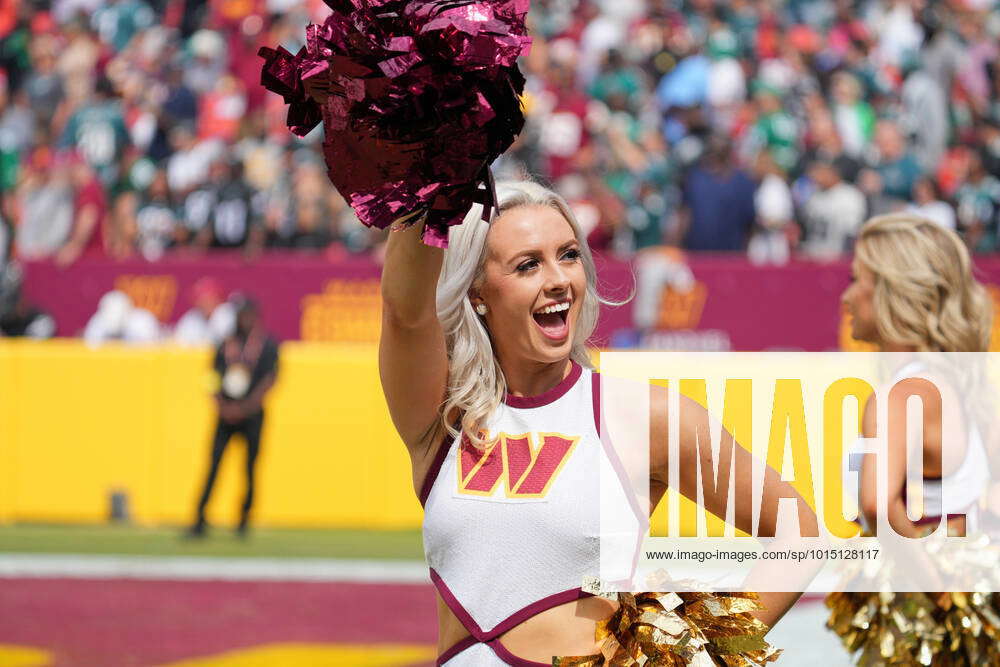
481, 308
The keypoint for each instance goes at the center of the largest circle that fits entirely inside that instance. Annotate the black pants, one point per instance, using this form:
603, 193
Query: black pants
250, 429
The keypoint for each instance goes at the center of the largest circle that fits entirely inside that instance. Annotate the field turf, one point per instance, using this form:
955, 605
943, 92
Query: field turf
147, 541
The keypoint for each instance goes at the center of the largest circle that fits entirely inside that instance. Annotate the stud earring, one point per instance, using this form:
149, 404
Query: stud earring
481, 308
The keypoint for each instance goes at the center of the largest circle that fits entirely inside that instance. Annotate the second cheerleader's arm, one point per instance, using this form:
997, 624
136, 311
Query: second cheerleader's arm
413, 362
692, 417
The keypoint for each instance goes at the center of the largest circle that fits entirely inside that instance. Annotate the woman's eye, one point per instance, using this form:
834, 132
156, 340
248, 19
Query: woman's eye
528, 265
573, 254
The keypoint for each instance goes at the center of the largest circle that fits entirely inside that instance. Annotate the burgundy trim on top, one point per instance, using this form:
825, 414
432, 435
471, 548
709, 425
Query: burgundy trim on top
550, 396
518, 617
504, 654
456, 648
492, 637
439, 457
536, 608
456, 607
432, 472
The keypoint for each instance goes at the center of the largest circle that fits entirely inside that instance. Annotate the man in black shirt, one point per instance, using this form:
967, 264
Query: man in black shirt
231, 220
247, 364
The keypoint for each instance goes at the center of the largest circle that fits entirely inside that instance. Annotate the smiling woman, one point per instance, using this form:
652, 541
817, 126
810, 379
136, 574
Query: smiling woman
492, 296
488, 380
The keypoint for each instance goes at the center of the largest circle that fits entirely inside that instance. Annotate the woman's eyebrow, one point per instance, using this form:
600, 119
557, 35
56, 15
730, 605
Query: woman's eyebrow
525, 253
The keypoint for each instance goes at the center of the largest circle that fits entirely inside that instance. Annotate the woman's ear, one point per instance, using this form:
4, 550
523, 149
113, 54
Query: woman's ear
474, 296
477, 301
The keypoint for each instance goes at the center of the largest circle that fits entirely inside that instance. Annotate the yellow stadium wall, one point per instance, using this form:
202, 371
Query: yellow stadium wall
77, 424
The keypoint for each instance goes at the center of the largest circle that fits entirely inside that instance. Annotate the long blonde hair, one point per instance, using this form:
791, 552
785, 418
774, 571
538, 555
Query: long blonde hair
925, 293
476, 384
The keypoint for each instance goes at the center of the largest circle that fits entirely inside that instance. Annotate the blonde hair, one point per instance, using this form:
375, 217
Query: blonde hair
925, 293
476, 384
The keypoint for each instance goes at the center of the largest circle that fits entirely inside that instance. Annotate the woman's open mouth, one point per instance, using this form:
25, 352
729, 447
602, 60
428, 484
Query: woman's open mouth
552, 320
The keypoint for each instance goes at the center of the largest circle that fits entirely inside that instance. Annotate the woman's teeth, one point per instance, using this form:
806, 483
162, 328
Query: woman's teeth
558, 308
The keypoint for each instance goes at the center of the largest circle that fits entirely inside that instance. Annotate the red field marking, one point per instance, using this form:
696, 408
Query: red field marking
119, 623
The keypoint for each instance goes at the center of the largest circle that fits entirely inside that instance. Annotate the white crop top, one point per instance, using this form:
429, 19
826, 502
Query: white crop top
512, 530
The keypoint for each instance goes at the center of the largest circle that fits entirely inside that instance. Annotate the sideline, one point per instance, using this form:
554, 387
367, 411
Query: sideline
187, 568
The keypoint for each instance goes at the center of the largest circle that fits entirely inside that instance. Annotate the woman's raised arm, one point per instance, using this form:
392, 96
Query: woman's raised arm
413, 361
694, 458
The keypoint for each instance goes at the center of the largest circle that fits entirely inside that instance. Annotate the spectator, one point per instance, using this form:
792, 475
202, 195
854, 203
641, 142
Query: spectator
6, 247
775, 130
44, 86
117, 21
259, 154
771, 243
80, 60
929, 204
179, 107
718, 202
232, 222
833, 214
17, 127
979, 206
854, 117
18, 317
207, 61
211, 319
896, 165
562, 111
925, 108
90, 215
989, 140
898, 33
188, 167
222, 109
45, 204
824, 144
117, 319
154, 218
616, 79
97, 130
980, 52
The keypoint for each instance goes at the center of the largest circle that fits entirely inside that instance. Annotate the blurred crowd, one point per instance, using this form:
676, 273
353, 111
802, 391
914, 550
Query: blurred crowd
139, 128
773, 128
134, 129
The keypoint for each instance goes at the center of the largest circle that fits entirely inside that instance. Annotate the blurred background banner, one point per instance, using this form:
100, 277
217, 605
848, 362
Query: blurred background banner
136, 421
726, 303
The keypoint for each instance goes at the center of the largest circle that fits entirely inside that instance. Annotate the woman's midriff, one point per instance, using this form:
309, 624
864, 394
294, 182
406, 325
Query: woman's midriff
567, 629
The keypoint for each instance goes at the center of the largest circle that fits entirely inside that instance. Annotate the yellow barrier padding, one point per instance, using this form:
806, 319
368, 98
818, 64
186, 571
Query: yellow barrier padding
24, 656
78, 424
313, 655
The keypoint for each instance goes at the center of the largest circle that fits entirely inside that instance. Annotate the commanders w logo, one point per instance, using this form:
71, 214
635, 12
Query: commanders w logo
528, 469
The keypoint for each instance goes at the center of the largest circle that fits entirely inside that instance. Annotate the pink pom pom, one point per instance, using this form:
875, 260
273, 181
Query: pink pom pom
416, 98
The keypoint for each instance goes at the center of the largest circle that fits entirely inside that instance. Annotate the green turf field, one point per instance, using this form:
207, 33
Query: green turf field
125, 539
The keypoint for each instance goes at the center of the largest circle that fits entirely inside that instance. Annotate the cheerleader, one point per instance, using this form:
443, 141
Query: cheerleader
489, 296
488, 381
912, 290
